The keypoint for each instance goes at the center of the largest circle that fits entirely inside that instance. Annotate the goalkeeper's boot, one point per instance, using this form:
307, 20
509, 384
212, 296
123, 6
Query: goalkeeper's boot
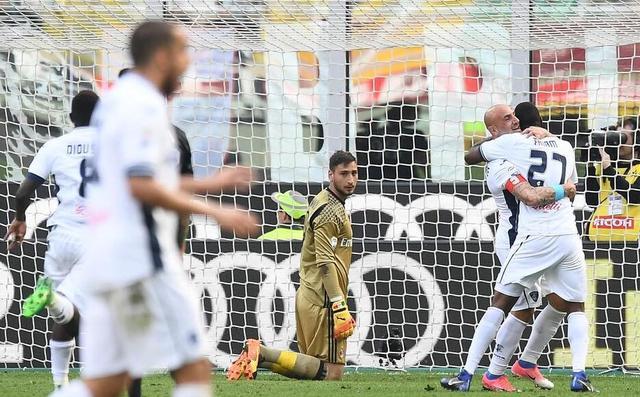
462, 382
499, 383
39, 299
252, 347
236, 370
580, 383
531, 372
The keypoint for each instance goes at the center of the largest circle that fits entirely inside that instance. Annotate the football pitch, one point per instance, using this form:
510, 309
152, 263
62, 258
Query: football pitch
366, 384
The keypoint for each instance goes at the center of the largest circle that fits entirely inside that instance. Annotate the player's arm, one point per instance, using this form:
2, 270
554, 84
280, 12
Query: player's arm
149, 192
138, 155
227, 178
326, 261
541, 195
474, 155
38, 172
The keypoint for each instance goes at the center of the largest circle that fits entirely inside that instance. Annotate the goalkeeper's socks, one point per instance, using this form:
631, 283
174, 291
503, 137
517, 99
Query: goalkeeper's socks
192, 390
544, 327
485, 333
61, 309
506, 342
293, 365
578, 335
60, 358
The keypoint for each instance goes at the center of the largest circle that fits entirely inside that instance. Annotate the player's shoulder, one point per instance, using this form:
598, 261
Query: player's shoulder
511, 138
499, 165
133, 97
326, 208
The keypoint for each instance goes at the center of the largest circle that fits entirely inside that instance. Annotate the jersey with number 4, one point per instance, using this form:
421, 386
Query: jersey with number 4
544, 162
64, 159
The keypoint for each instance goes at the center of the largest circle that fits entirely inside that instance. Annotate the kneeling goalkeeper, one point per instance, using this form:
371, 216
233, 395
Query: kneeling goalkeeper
323, 320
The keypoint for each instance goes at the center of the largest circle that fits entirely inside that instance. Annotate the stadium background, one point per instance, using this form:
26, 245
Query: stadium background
424, 221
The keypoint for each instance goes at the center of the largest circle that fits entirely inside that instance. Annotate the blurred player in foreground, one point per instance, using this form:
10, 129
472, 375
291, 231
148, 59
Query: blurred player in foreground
64, 160
323, 321
227, 177
547, 244
141, 312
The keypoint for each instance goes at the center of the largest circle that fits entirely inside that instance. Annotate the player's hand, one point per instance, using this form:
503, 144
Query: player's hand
231, 177
606, 159
15, 233
241, 222
570, 190
343, 323
537, 132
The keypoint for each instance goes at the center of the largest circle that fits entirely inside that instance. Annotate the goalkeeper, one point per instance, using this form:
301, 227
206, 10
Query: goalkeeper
323, 320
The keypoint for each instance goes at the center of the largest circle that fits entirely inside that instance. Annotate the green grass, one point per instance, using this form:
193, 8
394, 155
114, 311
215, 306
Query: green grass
367, 384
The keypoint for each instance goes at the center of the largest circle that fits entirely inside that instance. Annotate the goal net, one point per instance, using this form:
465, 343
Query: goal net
279, 85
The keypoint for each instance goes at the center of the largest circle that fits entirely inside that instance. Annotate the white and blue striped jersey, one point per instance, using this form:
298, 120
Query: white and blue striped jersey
130, 241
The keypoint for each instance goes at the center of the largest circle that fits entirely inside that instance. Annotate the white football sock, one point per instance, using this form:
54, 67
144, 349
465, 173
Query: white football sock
544, 327
578, 335
506, 343
61, 309
482, 337
192, 390
60, 357
77, 388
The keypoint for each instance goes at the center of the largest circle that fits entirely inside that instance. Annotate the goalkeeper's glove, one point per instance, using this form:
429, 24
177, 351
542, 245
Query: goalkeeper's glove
343, 323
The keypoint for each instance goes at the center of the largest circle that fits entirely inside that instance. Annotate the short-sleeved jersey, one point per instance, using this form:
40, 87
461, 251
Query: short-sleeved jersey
131, 241
544, 162
498, 173
327, 239
64, 159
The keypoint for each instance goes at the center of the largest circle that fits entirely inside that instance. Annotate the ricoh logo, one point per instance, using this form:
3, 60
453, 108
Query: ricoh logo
614, 222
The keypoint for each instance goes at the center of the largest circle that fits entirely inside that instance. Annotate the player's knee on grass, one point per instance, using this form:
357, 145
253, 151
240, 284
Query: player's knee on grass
110, 386
525, 315
195, 372
334, 371
503, 302
564, 306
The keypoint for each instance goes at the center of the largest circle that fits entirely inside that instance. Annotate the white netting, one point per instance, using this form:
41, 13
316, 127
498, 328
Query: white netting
279, 85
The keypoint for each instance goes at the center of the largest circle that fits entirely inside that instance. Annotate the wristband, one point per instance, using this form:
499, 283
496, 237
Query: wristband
559, 189
336, 299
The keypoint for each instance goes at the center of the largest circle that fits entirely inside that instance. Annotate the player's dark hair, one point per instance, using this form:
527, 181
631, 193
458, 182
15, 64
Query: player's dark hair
123, 72
82, 107
528, 115
340, 158
148, 38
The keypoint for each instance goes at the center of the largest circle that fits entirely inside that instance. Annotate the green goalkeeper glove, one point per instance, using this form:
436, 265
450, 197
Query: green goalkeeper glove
343, 323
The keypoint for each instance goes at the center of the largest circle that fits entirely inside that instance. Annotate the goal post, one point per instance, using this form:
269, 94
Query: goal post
279, 85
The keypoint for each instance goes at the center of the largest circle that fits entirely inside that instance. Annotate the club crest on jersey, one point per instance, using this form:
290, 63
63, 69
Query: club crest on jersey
534, 295
334, 242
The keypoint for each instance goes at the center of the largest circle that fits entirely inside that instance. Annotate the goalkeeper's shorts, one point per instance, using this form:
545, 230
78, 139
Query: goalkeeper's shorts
314, 325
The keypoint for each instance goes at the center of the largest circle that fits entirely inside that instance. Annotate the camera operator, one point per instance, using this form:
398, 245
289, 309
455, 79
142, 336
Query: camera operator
613, 187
